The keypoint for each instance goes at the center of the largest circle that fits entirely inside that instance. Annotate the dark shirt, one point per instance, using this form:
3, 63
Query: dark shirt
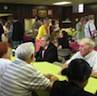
1, 31
18, 31
50, 54
63, 42
64, 88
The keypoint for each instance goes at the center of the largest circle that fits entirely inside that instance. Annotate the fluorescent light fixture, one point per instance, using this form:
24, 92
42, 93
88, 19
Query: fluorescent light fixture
61, 3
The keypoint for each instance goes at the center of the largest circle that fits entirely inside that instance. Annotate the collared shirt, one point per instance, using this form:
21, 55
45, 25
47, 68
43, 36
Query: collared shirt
87, 26
91, 58
43, 52
21, 78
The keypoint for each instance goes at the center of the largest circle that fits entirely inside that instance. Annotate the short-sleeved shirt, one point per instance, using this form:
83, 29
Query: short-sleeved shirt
21, 78
89, 26
91, 58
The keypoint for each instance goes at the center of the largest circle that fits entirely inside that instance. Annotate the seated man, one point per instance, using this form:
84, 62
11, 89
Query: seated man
87, 53
21, 78
47, 52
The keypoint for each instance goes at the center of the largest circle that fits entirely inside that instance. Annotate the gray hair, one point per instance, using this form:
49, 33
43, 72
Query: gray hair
46, 21
25, 50
89, 42
47, 37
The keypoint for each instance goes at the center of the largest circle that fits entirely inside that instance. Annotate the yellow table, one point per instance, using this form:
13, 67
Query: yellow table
46, 67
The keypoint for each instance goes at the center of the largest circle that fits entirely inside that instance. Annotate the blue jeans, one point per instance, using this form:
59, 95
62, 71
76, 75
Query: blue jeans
15, 44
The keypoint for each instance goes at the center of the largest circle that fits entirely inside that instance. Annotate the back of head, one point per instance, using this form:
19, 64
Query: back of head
78, 70
25, 50
4, 48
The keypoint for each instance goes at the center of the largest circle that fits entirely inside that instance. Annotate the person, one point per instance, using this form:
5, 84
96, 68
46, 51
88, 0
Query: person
80, 30
17, 33
21, 78
38, 22
1, 28
5, 58
78, 73
90, 29
87, 53
43, 29
52, 27
63, 41
48, 51
6, 28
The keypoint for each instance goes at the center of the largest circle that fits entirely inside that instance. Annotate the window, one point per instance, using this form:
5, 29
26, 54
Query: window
80, 8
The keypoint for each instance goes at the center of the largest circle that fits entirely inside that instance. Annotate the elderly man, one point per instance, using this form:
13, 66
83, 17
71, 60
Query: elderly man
87, 53
21, 78
48, 51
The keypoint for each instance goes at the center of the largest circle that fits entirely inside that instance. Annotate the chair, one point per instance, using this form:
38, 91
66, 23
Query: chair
65, 53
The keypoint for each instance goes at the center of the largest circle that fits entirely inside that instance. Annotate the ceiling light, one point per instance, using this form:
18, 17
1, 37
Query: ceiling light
61, 3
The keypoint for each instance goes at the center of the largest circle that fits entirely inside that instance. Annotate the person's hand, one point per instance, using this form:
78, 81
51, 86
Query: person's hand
63, 67
48, 75
54, 78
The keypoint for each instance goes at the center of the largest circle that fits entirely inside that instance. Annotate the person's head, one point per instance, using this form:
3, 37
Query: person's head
79, 71
46, 22
63, 34
5, 50
45, 41
26, 51
39, 20
85, 20
86, 46
82, 19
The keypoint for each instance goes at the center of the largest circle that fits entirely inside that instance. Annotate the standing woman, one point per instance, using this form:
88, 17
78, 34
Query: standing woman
43, 30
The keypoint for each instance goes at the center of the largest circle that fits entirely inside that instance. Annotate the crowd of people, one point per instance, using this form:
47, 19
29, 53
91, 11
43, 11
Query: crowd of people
19, 78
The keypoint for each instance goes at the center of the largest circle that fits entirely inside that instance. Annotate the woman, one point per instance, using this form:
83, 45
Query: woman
63, 40
78, 73
5, 57
43, 30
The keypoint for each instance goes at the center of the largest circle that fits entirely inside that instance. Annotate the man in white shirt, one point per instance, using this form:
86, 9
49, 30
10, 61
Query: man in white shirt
87, 53
90, 29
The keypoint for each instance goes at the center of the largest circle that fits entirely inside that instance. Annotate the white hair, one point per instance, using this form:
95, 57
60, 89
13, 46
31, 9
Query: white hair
25, 50
89, 42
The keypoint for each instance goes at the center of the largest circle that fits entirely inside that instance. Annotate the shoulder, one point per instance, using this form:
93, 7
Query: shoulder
88, 94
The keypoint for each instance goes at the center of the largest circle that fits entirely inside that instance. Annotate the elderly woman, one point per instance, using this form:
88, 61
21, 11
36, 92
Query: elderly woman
5, 57
78, 73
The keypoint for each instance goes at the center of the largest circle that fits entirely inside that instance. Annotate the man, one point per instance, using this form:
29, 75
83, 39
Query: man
87, 53
21, 78
17, 33
80, 30
90, 29
47, 52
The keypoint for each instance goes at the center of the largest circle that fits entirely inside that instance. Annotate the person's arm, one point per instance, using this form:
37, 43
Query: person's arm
52, 79
94, 74
63, 67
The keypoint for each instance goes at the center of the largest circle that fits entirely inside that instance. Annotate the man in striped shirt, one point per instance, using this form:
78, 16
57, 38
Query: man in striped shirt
20, 78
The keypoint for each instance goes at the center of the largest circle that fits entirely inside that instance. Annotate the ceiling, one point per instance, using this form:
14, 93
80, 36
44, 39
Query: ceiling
47, 2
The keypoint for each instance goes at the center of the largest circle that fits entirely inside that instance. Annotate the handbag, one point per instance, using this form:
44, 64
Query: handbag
4, 38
